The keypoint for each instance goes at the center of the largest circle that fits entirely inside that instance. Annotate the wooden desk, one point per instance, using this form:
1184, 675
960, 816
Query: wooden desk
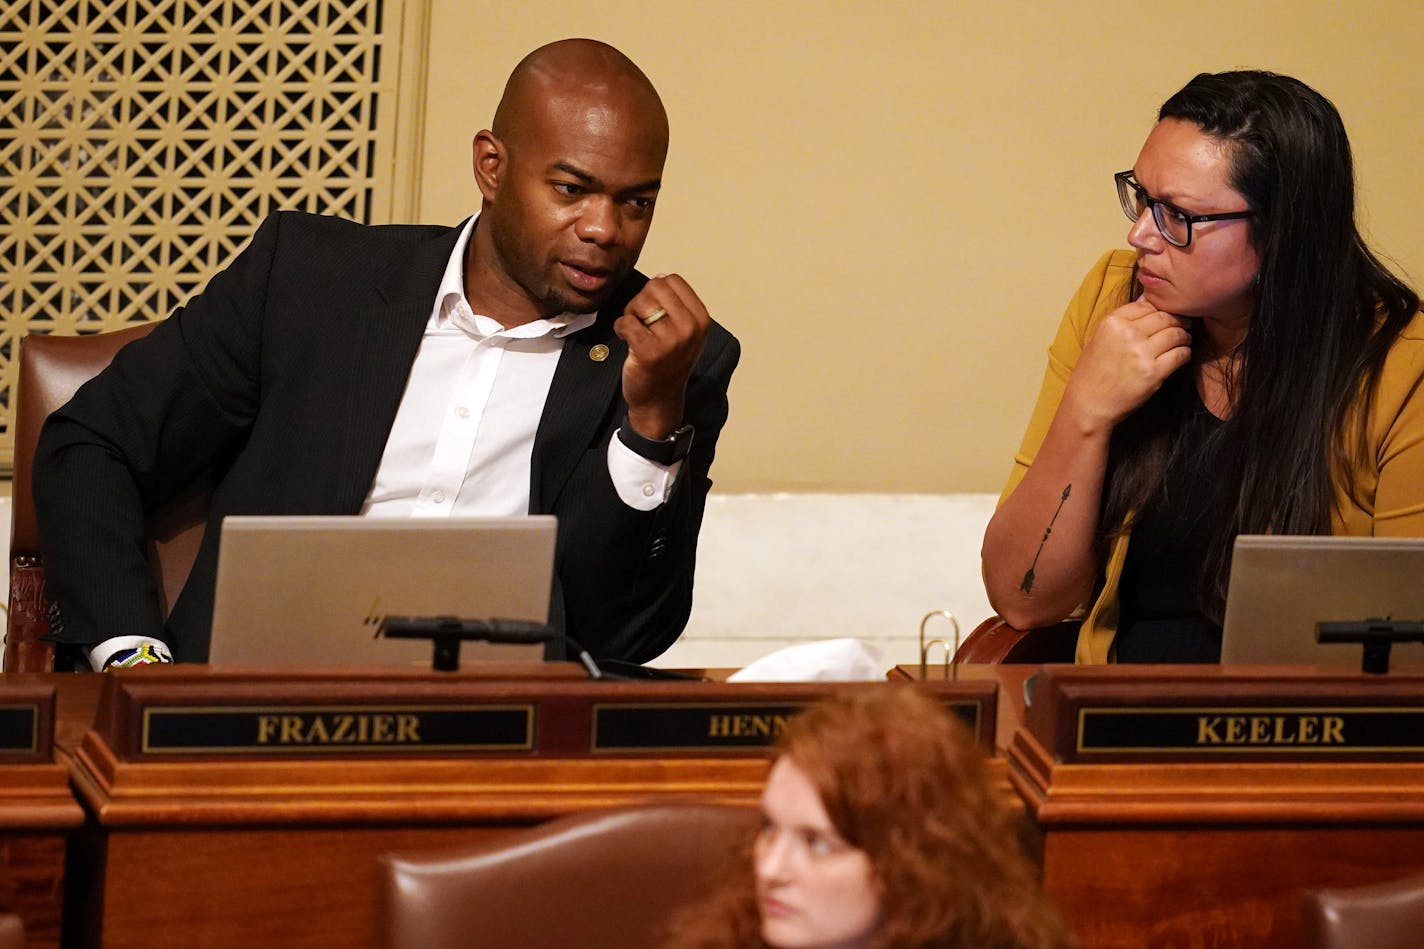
1010, 680
216, 851
282, 852
37, 813
1213, 853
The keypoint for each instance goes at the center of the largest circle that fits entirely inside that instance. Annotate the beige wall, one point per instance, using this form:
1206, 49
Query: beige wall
891, 202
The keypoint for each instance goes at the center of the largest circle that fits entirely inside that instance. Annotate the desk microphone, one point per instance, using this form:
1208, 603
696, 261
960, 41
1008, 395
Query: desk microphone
447, 632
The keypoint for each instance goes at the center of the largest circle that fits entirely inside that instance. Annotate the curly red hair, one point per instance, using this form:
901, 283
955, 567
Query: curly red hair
902, 780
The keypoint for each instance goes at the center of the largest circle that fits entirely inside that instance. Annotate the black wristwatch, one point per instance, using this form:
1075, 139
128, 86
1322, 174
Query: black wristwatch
671, 449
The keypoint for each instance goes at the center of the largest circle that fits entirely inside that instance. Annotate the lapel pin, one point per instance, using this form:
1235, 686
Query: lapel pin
598, 352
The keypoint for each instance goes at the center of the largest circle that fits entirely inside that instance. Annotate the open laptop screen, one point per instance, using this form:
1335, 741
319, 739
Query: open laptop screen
1281, 586
306, 591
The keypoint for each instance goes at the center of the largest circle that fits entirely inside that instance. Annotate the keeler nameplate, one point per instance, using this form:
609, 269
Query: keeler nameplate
1227, 714
1265, 730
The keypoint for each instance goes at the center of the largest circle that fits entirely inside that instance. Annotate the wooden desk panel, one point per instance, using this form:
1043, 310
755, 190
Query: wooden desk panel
32, 881
219, 852
288, 887
1194, 887
1211, 854
279, 852
224, 853
296, 903
284, 853
37, 814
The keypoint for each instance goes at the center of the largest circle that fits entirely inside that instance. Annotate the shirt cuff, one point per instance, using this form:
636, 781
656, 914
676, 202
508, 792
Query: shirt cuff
100, 655
643, 485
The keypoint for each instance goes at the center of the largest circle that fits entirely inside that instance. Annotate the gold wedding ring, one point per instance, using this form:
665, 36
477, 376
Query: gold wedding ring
654, 316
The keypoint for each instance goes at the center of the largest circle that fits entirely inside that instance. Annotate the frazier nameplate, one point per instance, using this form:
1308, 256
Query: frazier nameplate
19, 730
336, 729
711, 726
1269, 731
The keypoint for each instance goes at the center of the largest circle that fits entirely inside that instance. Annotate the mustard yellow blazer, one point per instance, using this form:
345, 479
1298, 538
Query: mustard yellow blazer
1390, 484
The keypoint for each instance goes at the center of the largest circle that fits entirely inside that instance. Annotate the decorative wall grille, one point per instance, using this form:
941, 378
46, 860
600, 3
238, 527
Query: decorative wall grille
143, 141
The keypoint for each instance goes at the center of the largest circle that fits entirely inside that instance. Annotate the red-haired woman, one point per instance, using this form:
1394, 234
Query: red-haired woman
880, 830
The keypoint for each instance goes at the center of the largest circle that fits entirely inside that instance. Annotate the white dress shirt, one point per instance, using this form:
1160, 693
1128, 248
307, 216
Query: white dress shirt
463, 439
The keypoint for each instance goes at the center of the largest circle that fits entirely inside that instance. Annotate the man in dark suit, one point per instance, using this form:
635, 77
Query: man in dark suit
515, 364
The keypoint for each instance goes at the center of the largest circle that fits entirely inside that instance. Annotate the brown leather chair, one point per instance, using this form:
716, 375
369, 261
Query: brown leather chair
1381, 916
52, 368
12, 932
996, 641
609, 878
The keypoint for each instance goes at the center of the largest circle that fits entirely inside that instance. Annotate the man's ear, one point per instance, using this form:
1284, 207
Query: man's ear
490, 159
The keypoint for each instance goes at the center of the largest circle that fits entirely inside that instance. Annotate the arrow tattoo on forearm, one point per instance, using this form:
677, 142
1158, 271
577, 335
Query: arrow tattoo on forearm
1027, 585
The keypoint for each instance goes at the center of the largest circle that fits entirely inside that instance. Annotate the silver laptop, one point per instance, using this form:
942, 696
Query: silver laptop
308, 591
1281, 586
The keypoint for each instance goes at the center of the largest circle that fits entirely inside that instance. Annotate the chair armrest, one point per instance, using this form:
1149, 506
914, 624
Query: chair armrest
996, 641
27, 646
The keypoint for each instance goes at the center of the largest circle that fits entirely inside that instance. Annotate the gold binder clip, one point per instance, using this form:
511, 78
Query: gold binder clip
926, 645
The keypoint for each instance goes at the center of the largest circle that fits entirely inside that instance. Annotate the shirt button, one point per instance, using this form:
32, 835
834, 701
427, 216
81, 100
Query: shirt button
437, 496
648, 490
462, 412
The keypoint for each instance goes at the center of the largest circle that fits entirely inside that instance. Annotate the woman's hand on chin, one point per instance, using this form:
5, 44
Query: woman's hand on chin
1130, 354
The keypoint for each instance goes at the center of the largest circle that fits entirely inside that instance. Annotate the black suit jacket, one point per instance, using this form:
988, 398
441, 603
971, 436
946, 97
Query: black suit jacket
281, 381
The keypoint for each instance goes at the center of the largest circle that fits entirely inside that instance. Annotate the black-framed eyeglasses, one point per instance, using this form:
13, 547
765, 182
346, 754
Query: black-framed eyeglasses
1174, 223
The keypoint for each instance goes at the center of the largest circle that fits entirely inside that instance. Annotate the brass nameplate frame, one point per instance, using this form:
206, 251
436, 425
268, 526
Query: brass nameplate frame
719, 727
337, 729
26, 719
19, 730
1222, 713
1258, 730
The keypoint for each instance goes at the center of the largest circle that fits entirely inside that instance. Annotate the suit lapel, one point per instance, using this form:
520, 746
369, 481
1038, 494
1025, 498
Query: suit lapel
586, 384
387, 335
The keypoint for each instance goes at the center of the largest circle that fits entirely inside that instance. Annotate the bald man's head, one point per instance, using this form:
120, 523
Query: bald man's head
580, 69
569, 174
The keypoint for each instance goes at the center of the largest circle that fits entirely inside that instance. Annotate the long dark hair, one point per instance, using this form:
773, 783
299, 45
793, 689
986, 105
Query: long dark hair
1325, 315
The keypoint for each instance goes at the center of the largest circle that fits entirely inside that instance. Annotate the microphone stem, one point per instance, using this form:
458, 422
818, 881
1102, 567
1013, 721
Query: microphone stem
593, 671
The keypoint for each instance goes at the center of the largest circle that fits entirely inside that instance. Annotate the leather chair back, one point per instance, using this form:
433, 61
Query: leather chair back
1381, 916
607, 878
52, 368
12, 932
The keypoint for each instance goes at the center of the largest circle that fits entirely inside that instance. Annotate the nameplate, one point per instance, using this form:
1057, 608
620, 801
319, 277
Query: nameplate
337, 729
177, 712
1222, 713
19, 731
1232, 731
715, 727
26, 719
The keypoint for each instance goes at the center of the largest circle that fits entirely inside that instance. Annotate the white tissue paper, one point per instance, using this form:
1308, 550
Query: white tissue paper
829, 660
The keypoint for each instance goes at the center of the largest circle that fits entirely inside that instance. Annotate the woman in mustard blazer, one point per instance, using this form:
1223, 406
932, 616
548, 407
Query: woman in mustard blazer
1248, 367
